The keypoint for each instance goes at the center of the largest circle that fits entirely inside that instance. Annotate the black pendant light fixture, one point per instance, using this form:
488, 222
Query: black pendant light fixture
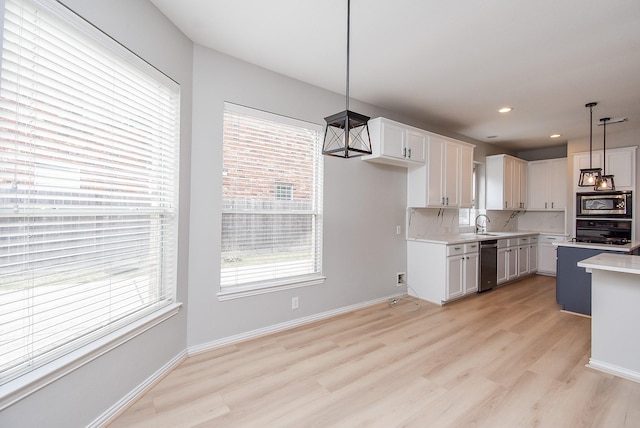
590, 176
347, 132
605, 182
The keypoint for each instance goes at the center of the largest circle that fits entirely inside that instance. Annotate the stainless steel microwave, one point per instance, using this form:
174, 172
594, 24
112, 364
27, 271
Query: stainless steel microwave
604, 204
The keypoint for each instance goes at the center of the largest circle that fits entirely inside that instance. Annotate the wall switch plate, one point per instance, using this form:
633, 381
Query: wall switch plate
295, 303
398, 230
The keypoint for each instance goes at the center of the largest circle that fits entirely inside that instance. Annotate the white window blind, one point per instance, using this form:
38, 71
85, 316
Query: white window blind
270, 235
88, 186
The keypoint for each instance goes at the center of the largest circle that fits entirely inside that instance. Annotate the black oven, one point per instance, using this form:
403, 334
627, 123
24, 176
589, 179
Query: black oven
602, 231
604, 204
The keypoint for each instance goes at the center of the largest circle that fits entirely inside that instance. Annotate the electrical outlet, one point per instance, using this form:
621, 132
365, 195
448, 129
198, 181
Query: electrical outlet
295, 303
400, 278
398, 230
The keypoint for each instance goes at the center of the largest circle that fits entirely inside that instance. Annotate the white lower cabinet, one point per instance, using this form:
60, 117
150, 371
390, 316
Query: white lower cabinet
533, 254
523, 259
462, 275
547, 253
440, 273
507, 260
517, 257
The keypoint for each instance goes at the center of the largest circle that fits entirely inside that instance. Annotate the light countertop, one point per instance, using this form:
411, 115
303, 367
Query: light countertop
626, 248
462, 238
612, 262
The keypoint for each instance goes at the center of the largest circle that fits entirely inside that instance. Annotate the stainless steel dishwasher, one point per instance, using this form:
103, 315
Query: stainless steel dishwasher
488, 275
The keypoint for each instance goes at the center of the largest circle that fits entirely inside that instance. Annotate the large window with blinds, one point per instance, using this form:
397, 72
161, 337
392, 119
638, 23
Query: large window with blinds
89, 139
271, 202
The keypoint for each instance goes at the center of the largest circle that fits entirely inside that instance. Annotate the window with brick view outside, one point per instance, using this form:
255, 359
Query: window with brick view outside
271, 200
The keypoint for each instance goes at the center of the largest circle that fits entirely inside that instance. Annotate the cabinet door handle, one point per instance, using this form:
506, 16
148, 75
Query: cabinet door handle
443, 200
551, 204
404, 152
447, 200
505, 204
545, 205
409, 152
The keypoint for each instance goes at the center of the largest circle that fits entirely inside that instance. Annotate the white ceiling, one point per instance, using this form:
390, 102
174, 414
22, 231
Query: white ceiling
451, 63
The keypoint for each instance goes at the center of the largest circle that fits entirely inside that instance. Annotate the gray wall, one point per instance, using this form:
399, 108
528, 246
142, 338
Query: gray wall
363, 204
80, 397
544, 153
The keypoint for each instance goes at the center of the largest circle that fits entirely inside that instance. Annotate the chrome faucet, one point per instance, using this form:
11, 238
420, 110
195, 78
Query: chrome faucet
482, 229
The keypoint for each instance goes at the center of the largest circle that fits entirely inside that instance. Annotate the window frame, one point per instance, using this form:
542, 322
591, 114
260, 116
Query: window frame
30, 381
273, 285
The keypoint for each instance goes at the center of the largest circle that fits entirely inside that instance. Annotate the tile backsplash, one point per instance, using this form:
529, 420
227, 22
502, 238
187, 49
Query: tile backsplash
424, 222
543, 221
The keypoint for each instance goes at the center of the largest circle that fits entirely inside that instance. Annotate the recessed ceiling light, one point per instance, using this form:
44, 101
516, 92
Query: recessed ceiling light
555, 136
505, 109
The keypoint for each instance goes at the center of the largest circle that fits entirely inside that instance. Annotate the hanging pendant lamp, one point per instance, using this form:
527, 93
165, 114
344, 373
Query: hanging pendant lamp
347, 132
605, 182
590, 176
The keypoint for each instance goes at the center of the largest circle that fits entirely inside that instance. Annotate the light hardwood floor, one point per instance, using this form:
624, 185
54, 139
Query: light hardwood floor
506, 358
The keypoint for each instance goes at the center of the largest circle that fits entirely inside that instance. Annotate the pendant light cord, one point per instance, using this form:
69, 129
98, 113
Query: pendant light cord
591, 106
591, 137
604, 145
348, 42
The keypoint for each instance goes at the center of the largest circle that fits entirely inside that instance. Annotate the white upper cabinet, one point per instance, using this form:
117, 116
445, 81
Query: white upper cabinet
394, 143
547, 185
619, 162
622, 164
466, 177
445, 179
416, 143
506, 178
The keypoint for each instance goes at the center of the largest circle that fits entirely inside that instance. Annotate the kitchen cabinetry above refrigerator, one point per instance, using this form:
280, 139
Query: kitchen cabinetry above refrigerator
506, 178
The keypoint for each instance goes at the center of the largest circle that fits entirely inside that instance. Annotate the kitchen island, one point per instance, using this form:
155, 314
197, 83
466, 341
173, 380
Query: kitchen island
573, 283
615, 337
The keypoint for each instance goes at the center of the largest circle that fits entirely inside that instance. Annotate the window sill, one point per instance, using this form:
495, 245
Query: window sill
239, 292
21, 387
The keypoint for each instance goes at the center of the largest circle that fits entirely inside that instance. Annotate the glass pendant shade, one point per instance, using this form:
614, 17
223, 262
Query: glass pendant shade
589, 177
346, 135
605, 183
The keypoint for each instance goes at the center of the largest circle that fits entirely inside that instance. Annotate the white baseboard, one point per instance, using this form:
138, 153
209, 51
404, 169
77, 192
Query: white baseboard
124, 403
614, 370
198, 349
